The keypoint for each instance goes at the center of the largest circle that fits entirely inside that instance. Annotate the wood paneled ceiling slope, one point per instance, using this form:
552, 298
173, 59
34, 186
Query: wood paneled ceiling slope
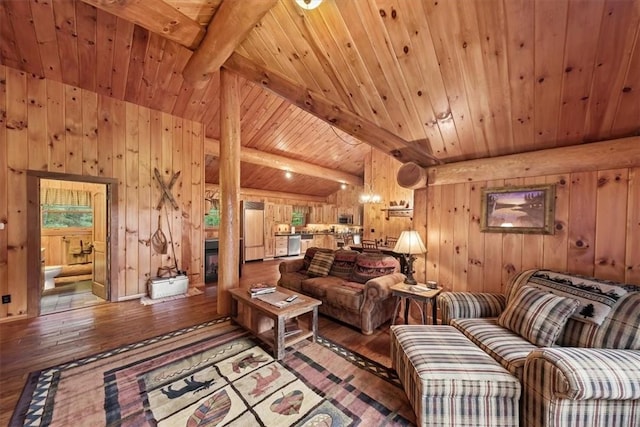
431, 82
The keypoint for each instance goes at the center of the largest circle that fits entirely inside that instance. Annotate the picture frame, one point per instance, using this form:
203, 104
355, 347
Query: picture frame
518, 209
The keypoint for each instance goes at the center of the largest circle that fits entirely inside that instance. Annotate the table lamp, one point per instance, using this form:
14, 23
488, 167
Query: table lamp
409, 245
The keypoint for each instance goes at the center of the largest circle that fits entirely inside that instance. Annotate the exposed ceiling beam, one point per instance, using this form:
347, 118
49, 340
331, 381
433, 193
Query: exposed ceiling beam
268, 194
332, 113
224, 34
229, 27
256, 157
254, 192
614, 154
156, 16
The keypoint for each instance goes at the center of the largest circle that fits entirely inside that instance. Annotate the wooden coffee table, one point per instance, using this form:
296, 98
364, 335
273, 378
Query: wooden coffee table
276, 338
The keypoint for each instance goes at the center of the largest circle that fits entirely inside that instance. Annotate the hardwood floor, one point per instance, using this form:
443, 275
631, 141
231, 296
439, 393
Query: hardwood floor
32, 344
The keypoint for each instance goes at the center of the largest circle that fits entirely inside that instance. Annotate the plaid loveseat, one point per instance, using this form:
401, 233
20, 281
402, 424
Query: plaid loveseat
572, 341
353, 286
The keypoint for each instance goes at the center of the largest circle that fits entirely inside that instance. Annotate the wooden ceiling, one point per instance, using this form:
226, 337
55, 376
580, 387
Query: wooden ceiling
425, 81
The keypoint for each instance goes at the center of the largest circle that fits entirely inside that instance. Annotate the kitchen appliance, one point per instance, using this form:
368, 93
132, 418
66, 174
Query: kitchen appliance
253, 231
345, 219
294, 244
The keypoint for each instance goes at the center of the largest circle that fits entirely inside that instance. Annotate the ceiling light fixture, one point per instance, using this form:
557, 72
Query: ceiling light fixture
308, 4
343, 186
369, 196
287, 175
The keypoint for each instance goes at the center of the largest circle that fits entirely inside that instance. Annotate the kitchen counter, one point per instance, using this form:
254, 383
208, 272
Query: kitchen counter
316, 233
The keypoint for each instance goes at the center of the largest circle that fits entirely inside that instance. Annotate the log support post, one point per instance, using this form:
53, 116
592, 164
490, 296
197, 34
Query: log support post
229, 234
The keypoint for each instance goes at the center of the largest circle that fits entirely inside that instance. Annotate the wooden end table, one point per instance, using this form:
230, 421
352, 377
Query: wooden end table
420, 297
276, 338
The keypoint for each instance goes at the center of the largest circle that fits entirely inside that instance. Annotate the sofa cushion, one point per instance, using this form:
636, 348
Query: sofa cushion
369, 266
317, 287
309, 254
343, 263
506, 347
320, 265
596, 296
348, 295
537, 316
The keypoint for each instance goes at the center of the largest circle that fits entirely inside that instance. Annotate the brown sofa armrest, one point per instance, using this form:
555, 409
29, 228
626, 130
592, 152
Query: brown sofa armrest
379, 287
291, 266
375, 292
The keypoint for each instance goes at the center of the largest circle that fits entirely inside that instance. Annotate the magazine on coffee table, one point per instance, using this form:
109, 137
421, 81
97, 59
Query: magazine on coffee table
260, 289
277, 299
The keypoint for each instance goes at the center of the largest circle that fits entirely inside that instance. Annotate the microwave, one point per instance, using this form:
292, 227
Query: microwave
345, 219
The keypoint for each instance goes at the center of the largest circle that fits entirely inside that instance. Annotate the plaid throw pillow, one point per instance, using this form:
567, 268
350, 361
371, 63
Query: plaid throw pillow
320, 264
537, 316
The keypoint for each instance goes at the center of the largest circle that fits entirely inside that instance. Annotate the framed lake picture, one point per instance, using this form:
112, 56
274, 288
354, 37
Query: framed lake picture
526, 209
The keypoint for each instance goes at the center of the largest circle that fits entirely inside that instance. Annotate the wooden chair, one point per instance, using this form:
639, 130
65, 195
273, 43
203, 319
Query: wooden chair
369, 246
390, 242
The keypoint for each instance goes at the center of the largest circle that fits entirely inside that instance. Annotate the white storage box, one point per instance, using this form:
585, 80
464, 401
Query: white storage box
161, 287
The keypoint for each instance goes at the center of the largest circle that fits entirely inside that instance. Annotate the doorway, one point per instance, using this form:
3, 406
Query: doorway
72, 244
70, 223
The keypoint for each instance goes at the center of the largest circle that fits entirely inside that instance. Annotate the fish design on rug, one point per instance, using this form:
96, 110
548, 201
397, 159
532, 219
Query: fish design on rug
247, 361
262, 383
288, 404
212, 411
191, 385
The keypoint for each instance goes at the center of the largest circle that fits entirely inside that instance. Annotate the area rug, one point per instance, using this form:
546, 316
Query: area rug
145, 300
215, 374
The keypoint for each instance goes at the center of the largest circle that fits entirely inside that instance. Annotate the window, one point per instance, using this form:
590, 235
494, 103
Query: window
66, 216
212, 218
297, 218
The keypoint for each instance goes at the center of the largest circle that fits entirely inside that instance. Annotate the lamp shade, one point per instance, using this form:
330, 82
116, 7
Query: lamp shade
410, 243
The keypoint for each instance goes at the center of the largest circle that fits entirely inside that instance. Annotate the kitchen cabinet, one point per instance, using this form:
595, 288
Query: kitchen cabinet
318, 240
283, 214
330, 242
282, 245
327, 241
315, 215
329, 214
305, 244
323, 214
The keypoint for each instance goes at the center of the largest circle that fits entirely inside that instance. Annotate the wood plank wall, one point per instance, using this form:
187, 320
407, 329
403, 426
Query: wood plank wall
380, 171
597, 232
55, 127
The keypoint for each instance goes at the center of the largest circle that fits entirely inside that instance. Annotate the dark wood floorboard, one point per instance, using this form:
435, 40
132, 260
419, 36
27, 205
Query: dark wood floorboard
32, 344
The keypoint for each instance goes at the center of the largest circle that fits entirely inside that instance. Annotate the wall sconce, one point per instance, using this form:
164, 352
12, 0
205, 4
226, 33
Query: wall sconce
308, 4
409, 245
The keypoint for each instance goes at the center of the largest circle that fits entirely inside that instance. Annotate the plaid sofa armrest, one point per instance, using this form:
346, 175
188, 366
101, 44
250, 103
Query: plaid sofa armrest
467, 305
584, 373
